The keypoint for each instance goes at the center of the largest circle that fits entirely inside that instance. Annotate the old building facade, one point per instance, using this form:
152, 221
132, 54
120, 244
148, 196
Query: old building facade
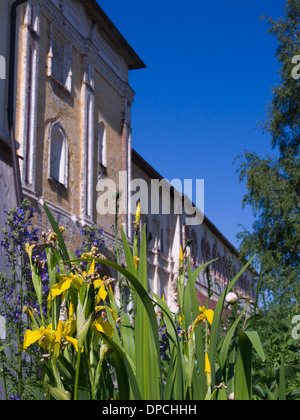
8, 193
73, 125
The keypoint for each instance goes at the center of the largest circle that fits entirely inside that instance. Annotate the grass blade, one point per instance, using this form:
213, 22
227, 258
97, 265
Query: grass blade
243, 373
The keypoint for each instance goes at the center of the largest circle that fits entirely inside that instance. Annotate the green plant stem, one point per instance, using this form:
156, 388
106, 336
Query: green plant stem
19, 344
19, 360
117, 251
91, 364
77, 375
4, 378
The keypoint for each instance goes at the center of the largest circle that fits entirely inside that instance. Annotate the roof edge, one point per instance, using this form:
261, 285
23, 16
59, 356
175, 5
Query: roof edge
94, 10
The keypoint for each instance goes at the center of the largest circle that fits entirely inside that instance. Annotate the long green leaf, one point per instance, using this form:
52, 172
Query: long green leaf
282, 383
58, 394
175, 375
196, 273
2, 348
243, 372
147, 357
83, 325
125, 374
36, 393
199, 336
128, 254
170, 390
127, 334
225, 347
256, 343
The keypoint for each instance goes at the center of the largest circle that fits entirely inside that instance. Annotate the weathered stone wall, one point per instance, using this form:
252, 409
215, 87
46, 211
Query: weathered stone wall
106, 83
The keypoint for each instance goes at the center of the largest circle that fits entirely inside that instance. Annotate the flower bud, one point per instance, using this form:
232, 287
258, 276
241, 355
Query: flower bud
138, 213
136, 262
231, 397
231, 298
181, 257
28, 249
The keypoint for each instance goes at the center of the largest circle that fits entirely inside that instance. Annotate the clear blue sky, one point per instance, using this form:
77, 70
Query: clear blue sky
210, 69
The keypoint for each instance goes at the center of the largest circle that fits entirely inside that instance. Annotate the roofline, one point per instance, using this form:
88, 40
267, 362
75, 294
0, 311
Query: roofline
153, 174
93, 9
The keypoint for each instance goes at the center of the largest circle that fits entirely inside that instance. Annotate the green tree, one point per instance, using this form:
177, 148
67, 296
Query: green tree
274, 183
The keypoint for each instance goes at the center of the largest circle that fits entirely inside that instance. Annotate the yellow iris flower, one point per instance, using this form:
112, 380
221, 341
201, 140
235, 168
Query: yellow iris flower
206, 314
44, 336
105, 327
102, 293
50, 339
64, 285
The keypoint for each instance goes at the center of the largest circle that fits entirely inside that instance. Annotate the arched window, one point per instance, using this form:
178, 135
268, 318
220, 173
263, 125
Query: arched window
102, 146
59, 155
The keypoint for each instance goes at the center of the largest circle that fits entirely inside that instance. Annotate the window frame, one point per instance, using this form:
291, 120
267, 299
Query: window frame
67, 77
102, 151
65, 151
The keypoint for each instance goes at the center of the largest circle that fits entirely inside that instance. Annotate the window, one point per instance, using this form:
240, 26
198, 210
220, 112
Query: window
89, 162
30, 121
60, 59
59, 156
29, 67
102, 147
88, 145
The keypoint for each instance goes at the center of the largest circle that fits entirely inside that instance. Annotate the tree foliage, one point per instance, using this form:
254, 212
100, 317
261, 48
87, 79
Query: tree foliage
274, 183
283, 119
